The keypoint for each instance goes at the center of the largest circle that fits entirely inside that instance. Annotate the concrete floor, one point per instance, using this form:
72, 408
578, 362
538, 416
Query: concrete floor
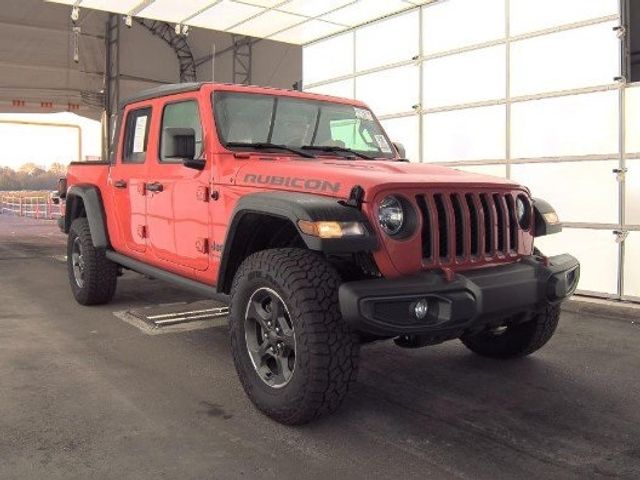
85, 395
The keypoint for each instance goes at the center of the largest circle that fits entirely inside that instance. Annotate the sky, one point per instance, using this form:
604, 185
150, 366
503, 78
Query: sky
44, 145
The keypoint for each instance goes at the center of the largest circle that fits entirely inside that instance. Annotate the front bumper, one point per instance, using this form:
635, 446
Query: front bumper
385, 307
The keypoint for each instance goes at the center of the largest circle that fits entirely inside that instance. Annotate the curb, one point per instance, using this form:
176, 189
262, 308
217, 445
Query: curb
604, 308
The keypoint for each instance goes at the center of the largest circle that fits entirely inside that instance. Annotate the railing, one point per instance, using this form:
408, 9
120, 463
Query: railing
41, 207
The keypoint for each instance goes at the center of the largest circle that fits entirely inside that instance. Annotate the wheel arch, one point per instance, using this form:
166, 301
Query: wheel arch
278, 214
84, 200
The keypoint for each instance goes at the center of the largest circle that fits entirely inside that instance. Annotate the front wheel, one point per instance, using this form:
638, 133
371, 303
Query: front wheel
516, 340
294, 354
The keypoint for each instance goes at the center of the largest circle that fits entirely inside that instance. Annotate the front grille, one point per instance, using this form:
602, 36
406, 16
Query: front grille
471, 226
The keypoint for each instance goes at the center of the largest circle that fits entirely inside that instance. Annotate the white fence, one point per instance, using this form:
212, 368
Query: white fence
41, 206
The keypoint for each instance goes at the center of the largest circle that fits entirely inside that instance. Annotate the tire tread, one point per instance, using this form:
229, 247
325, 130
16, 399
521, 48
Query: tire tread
101, 274
311, 285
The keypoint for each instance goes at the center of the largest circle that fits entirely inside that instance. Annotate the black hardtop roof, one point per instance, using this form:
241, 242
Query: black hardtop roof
175, 88
161, 91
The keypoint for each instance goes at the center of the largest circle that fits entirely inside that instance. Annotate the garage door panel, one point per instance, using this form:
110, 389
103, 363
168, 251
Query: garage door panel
632, 193
343, 88
328, 59
632, 117
597, 252
631, 262
579, 191
531, 15
572, 59
455, 24
390, 91
468, 134
405, 130
565, 126
376, 48
446, 79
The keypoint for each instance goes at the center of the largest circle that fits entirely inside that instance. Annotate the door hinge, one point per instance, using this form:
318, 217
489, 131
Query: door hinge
621, 235
142, 231
620, 173
202, 194
202, 245
621, 31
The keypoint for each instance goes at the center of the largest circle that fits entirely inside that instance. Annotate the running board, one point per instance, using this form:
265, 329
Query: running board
186, 283
177, 318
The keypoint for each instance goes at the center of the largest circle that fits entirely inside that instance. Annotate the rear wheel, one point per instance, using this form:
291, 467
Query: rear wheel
92, 276
516, 340
294, 354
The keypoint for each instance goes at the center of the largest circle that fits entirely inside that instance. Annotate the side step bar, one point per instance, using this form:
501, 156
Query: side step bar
186, 283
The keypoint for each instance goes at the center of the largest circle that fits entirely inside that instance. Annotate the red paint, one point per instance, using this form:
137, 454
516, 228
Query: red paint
181, 222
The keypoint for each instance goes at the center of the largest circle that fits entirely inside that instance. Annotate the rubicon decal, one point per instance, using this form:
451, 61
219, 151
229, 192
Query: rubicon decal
293, 182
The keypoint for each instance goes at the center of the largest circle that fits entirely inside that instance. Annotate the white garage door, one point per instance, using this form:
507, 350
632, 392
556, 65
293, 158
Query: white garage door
526, 89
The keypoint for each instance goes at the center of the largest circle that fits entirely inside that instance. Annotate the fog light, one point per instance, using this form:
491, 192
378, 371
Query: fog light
421, 309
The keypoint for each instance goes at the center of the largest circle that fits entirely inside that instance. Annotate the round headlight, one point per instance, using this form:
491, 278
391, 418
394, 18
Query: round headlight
391, 215
523, 212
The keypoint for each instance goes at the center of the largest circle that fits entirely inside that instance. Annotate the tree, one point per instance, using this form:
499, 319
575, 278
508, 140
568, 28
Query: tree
30, 168
9, 179
30, 177
58, 169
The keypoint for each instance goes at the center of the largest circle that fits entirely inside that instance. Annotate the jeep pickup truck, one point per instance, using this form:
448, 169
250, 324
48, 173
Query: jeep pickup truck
299, 212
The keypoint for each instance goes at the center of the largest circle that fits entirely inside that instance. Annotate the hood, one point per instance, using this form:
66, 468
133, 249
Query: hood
336, 178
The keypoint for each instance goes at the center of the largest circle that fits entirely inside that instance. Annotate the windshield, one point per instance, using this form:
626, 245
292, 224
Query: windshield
243, 118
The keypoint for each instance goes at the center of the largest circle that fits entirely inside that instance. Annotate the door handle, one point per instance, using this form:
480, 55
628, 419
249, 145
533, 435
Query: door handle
155, 187
120, 184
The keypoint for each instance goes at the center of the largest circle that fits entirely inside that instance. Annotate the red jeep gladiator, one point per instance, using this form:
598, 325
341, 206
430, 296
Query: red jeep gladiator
299, 212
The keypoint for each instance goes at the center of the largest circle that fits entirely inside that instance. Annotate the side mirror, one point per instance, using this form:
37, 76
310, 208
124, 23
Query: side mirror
179, 143
195, 163
400, 149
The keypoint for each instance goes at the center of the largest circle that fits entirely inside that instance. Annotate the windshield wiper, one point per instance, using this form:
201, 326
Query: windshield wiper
274, 146
334, 148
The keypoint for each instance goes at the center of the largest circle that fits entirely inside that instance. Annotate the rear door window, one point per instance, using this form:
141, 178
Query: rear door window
136, 135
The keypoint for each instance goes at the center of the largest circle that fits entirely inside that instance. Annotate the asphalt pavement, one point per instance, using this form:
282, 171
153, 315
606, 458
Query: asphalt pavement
84, 394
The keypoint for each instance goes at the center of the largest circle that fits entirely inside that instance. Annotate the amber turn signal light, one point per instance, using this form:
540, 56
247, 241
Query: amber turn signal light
325, 229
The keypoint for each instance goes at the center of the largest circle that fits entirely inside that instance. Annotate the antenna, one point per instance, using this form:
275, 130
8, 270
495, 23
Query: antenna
213, 62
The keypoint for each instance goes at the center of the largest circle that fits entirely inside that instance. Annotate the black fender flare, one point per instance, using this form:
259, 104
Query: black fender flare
294, 207
542, 226
94, 209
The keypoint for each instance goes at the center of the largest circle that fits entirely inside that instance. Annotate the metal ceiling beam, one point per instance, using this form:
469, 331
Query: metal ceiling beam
242, 55
208, 58
177, 42
112, 81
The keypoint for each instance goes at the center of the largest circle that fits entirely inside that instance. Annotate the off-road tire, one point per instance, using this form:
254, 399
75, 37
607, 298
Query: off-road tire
326, 355
517, 340
100, 274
